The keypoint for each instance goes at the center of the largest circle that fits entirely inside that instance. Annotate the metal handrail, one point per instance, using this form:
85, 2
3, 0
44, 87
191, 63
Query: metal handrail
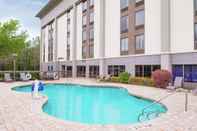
155, 102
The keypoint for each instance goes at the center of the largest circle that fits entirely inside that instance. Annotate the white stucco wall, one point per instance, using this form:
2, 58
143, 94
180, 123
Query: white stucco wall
79, 32
182, 26
61, 7
71, 33
62, 36
112, 28
97, 28
152, 26
54, 26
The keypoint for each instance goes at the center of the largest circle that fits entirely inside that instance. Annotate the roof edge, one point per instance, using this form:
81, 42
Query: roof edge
47, 8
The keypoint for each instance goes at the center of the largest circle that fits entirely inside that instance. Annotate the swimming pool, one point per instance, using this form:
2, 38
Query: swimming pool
93, 104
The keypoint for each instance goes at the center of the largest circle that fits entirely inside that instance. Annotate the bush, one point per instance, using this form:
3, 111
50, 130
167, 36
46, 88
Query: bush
141, 81
115, 79
161, 78
124, 77
35, 76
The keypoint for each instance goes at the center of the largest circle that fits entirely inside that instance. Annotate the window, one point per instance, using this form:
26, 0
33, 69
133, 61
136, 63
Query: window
68, 25
156, 67
195, 32
139, 71
91, 3
115, 70
195, 5
69, 71
145, 70
94, 71
84, 6
68, 37
50, 41
84, 35
50, 68
124, 4
177, 71
189, 72
81, 71
91, 51
195, 36
84, 20
139, 2
124, 45
91, 17
91, 33
139, 18
83, 51
68, 54
124, 24
139, 42
43, 45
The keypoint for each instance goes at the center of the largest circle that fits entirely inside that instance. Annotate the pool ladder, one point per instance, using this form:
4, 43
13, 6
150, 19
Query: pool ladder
147, 115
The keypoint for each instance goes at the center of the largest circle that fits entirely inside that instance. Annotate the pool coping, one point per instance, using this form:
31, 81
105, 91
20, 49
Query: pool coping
147, 125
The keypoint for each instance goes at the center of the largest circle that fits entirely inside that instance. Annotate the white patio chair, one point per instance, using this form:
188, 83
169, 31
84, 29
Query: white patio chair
178, 83
25, 77
7, 77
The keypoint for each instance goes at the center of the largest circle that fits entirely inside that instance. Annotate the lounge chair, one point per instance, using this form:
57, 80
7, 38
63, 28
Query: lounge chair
7, 77
178, 83
25, 77
52, 75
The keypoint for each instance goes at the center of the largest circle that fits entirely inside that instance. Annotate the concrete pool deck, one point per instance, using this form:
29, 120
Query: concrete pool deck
18, 112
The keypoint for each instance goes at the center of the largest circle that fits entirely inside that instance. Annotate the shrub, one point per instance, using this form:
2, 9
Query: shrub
135, 81
161, 78
35, 76
115, 79
149, 82
124, 77
141, 81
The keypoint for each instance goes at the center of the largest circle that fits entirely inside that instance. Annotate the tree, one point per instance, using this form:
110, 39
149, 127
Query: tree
29, 58
12, 40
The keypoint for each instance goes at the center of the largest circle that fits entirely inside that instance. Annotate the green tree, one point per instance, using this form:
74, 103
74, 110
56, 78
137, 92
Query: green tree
29, 58
12, 40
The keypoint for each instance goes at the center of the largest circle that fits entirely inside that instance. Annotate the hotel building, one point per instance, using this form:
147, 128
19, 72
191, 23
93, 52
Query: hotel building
91, 38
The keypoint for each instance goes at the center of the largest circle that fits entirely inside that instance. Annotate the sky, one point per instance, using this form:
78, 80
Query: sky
24, 11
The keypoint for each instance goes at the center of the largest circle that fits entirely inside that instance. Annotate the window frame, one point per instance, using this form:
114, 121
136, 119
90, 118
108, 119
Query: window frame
139, 23
141, 45
124, 46
124, 24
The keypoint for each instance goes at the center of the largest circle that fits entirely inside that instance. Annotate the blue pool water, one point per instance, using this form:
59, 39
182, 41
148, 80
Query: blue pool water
93, 104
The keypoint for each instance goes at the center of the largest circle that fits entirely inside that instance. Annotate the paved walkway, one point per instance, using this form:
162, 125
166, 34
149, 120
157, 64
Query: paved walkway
18, 112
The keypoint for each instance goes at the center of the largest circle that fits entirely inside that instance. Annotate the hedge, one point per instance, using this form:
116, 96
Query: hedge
115, 79
141, 81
